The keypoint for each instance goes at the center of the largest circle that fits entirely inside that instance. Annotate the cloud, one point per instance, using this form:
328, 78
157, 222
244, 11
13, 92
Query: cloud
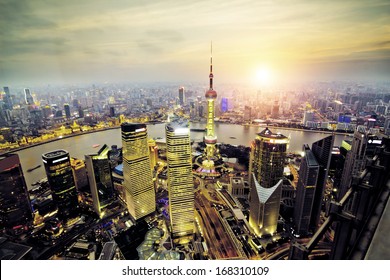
161, 36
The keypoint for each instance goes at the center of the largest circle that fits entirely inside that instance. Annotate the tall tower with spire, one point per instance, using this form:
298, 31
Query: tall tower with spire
210, 162
210, 138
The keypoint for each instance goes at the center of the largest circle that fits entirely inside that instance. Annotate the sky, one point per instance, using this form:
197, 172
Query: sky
72, 41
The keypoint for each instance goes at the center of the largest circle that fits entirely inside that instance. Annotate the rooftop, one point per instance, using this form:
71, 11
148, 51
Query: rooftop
55, 154
267, 133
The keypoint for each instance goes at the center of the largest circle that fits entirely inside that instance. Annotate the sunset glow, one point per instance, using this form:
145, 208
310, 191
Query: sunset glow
148, 41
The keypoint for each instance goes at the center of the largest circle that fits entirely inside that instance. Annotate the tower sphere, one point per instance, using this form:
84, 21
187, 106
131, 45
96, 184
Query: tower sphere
211, 94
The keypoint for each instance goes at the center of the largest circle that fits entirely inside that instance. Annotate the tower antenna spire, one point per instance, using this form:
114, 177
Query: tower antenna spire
211, 66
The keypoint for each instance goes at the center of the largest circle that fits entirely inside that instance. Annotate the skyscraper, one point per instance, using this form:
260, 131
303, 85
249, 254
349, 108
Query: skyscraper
15, 207
138, 180
28, 97
387, 126
79, 174
100, 179
268, 153
153, 153
180, 181
356, 158
308, 174
7, 99
112, 111
61, 181
308, 116
224, 105
67, 110
362, 151
181, 96
264, 207
81, 112
322, 150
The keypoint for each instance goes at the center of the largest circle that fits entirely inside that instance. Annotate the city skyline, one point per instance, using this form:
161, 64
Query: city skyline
254, 42
162, 187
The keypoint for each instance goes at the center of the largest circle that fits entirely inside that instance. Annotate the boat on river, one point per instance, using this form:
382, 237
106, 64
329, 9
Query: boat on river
32, 169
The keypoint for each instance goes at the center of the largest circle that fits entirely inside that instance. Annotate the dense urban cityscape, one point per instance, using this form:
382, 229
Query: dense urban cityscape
171, 197
293, 164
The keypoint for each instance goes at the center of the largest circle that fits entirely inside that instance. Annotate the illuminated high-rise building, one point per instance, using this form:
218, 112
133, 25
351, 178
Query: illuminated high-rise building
61, 181
181, 96
28, 97
153, 153
79, 174
100, 179
266, 165
264, 207
224, 105
180, 181
138, 179
268, 154
15, 208
307, 181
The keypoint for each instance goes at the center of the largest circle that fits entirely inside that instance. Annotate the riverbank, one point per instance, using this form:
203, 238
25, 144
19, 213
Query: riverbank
311, 130
56, 139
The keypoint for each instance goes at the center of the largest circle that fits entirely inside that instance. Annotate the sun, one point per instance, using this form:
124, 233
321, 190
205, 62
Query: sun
263, 76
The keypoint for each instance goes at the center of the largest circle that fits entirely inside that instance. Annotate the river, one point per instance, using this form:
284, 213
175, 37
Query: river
80, 145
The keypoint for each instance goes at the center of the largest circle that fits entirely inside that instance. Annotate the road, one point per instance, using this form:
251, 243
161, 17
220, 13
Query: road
218, 240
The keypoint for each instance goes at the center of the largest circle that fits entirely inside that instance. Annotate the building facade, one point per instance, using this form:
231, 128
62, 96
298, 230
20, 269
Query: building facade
180, 181
264, 208
15, 207
67, 110
322, 151
181, 96
28, 97
266, 165
308, 174
60, 177
100, 179
138, 180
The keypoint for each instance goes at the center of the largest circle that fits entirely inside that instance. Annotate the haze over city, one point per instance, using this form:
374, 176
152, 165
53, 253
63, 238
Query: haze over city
257, 42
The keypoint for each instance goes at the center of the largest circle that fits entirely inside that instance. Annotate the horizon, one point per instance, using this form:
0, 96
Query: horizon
260, 44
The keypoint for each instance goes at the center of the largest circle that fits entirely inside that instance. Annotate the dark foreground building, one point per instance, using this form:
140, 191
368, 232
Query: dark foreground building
15, 207
61, 181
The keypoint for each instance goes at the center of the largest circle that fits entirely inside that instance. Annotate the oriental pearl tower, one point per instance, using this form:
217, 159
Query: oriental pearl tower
210, 162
